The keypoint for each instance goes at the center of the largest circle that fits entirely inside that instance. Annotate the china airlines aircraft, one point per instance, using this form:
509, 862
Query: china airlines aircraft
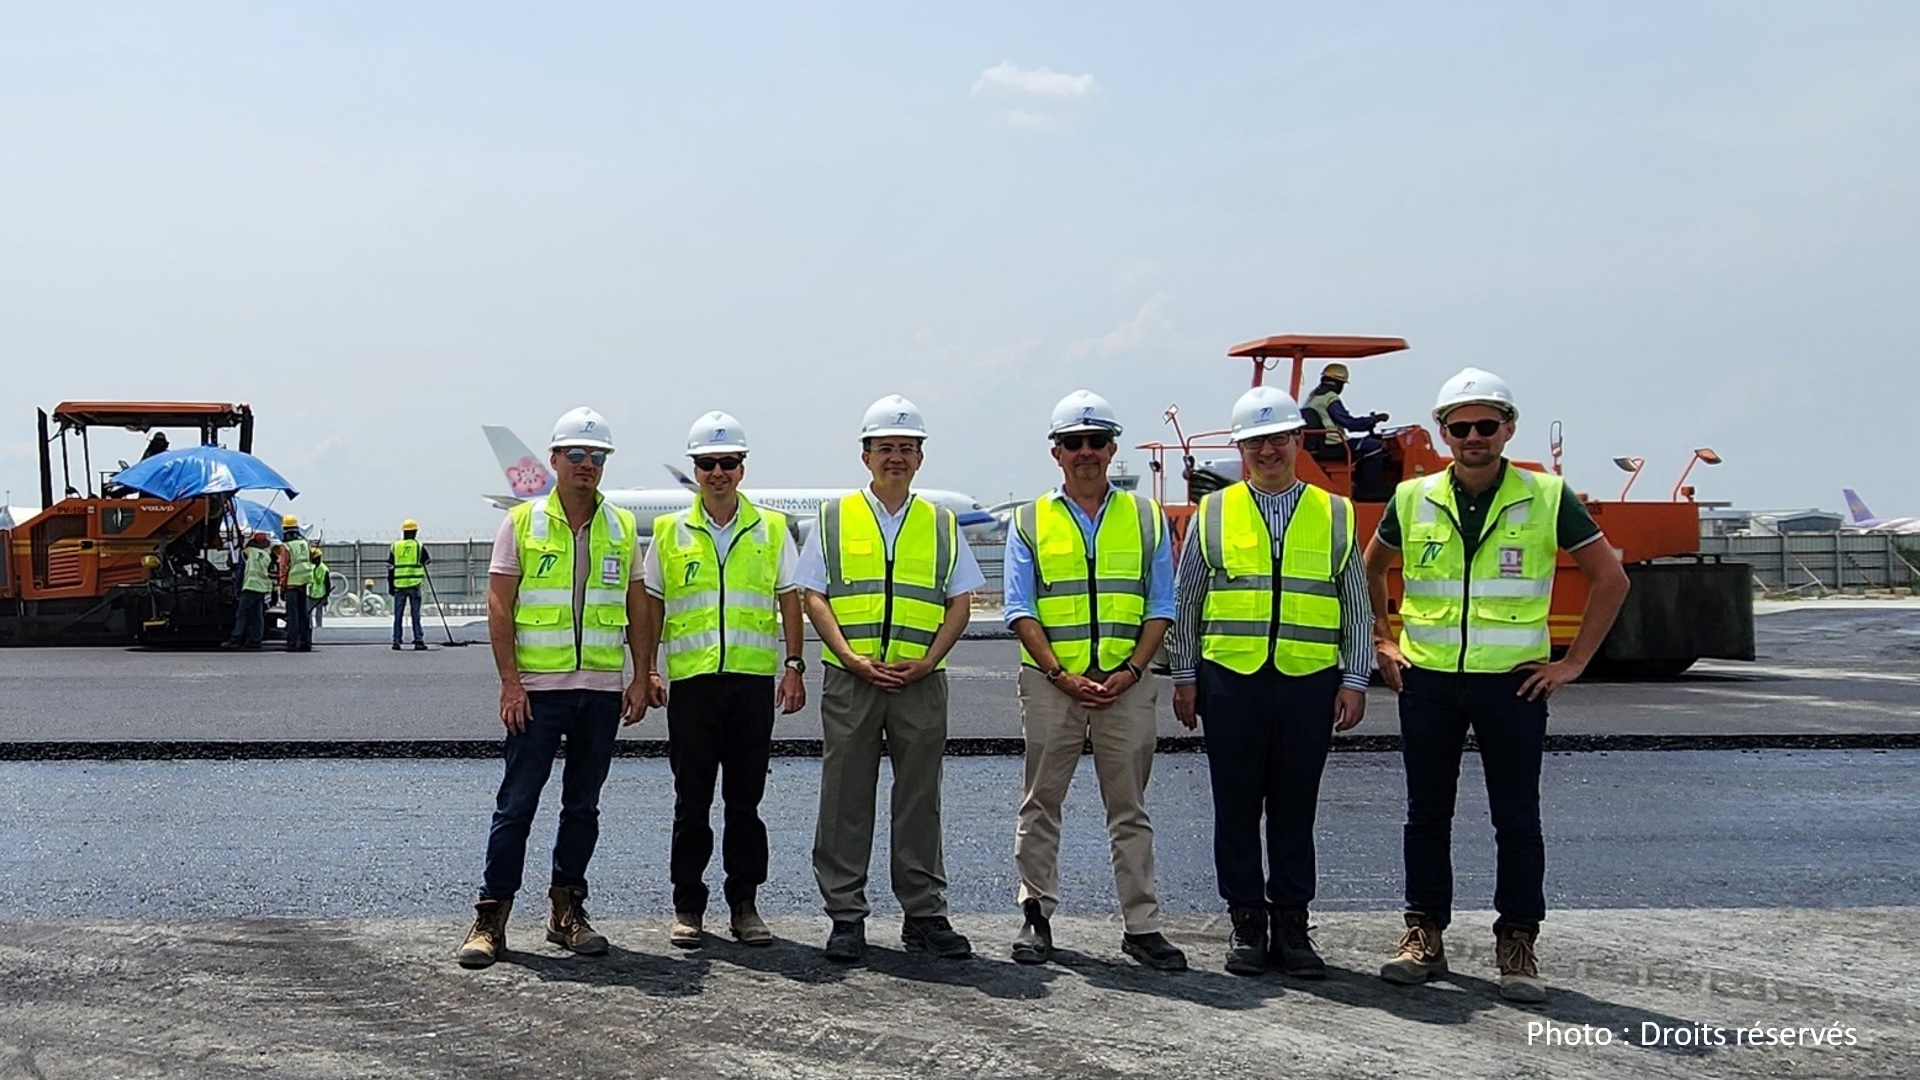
529, 478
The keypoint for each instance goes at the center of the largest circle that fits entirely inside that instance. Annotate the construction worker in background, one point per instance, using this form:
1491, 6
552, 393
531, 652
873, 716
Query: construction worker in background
293, 574
319, 587
716, 574
407, 563
561, 595
1477, 545
888, 576
1089, 592
1329, 422
1272, 646
256, 583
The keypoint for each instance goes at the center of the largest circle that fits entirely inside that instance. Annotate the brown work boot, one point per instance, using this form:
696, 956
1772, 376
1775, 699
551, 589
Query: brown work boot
749, 928
1421, 954
1519, 970
567, 926
487, 941
685, 933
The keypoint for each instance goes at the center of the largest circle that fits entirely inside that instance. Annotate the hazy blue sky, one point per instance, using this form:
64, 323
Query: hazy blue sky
1667, 224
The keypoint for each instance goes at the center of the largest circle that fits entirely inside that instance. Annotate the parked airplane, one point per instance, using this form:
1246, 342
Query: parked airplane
528, 477
1864, 521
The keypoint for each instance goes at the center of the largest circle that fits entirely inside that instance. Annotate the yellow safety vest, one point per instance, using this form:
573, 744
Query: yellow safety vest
889, 606
545, 638
721, 617
1245, 619
257, 572
1490, 616
299, 554
408, 571
317, 581
1090, 603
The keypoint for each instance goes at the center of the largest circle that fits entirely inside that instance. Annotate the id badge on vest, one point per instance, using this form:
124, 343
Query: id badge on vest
610, 570
1512, 562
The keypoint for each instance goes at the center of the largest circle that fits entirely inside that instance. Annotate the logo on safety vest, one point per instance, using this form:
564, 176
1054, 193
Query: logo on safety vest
693, 567
1430, 552
546, 564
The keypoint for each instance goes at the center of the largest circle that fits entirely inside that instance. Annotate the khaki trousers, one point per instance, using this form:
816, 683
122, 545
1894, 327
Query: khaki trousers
1057, 728
854, 715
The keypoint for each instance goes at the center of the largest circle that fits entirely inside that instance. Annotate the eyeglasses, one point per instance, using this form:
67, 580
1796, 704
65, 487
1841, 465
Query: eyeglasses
1097, 441
1275, 438
1459, 429
575, 455
725, 464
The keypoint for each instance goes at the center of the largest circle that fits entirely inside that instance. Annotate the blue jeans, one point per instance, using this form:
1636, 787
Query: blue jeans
1436, 710
589, 721
1267, 740
401, 597
250, 619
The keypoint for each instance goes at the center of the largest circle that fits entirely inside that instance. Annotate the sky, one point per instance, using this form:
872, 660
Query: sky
1668, 225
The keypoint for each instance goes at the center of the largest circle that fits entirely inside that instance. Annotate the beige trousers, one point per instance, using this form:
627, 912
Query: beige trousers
1056, 729
854, 716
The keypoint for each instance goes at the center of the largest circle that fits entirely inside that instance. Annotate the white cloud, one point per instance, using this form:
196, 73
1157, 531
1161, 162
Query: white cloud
1040, 82
1151, 323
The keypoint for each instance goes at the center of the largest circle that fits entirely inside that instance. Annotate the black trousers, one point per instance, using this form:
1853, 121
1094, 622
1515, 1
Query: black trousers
1437, 708
719, 728
1267, 740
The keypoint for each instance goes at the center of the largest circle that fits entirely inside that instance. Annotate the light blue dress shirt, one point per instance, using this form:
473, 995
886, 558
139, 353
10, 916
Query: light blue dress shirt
1020, 582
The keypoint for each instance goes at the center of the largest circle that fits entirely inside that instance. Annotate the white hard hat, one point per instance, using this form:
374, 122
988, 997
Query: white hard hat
893, 415
716, 433
1474, 387
581, 427
1265, 410
1083, 410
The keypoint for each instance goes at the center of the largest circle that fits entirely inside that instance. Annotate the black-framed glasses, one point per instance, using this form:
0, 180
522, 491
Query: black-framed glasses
725, 464
1460, 429
1095, 441
1277, 438
577, 454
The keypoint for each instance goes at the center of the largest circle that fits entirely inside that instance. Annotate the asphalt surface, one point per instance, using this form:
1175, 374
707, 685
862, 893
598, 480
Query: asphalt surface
1825, 677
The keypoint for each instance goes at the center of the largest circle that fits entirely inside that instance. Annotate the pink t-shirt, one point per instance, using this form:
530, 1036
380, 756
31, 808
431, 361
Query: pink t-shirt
506, 560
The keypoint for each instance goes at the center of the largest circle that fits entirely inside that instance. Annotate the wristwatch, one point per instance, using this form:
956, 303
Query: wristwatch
1058, 670
798, 664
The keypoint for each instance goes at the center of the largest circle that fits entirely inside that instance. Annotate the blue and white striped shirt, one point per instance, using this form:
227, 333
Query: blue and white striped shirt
1190, 594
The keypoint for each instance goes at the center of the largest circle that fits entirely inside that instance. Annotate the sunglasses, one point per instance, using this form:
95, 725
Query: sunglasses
1277, 438
576, 455
1459, 429
725, 464
1074, 442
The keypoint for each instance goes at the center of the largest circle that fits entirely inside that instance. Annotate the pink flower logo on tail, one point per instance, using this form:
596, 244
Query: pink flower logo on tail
527, 477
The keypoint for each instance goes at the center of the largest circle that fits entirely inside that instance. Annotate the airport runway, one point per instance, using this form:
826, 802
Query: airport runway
1826, 677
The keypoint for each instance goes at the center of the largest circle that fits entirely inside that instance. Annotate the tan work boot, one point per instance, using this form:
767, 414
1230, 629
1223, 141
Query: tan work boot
685, 932
1421, 954
1519, 970
487, 941
749, 928
567, 924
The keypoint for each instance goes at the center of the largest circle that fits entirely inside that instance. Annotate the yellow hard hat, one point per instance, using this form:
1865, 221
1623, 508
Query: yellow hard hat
1334, 371
289, 522
409, 525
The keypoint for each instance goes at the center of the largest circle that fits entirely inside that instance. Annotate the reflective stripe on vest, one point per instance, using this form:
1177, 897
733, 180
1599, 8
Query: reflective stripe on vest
1490, 616
408, 571
888, 605
1090, 603
545, 638
1244, 618
721, 615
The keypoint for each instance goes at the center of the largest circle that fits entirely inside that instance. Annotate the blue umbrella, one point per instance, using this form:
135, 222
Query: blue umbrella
258, 517
201, 470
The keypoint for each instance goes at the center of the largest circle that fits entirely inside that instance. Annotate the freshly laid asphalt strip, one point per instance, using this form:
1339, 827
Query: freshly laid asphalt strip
1826, 679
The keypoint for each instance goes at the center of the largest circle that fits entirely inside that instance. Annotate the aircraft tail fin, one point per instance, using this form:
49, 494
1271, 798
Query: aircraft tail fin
527, 476
681, 478
1856, 507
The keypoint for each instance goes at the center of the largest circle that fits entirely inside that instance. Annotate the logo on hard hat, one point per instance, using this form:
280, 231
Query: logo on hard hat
1469, 384
586, 425
1266, 412
719, 435
1086, 412
900, 418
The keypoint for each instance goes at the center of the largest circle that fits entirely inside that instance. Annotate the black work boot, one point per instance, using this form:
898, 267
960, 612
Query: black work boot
1291, 949
934, 934
848, 941
1247, 945
1154, 950
1035, 943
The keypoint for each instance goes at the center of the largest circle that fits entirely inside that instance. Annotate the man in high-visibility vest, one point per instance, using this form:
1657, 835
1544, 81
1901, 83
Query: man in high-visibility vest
887, 575
562, 592
1477, 545
293, 575
722, 600
319, 586
255, 585
407, 563
1331, 427
1272, 646
1089, 593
